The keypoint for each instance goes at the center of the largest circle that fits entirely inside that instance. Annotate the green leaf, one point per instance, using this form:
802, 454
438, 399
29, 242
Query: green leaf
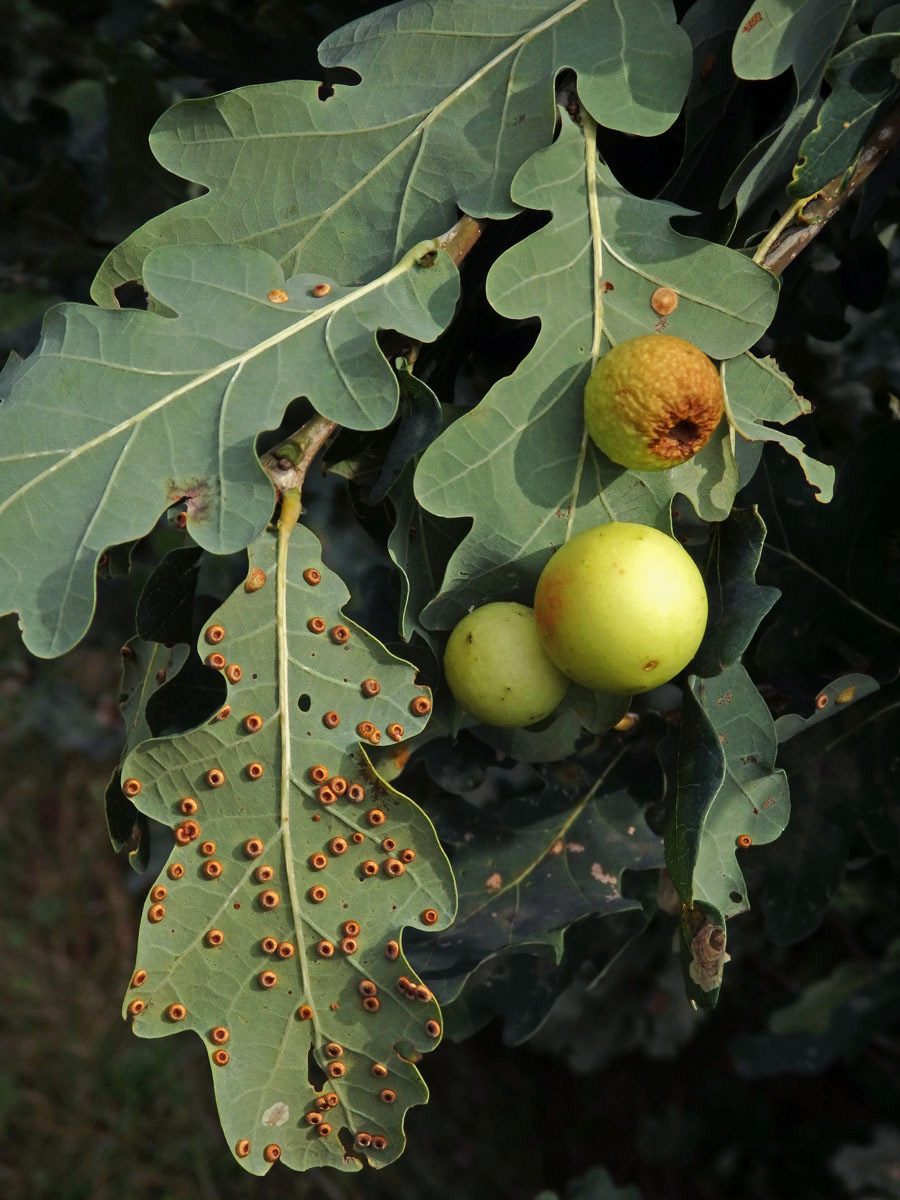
829, 703
290, 678
117, 415
519, 464
728, 787
523, 881
555, 738
737, 603
863, 78
453, 98
757, 391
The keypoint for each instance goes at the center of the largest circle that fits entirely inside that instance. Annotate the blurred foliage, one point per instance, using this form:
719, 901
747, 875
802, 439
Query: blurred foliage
790, 1087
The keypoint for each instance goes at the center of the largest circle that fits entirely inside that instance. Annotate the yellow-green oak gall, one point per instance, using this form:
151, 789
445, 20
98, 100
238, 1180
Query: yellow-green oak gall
652, 402
497, 668
621, 608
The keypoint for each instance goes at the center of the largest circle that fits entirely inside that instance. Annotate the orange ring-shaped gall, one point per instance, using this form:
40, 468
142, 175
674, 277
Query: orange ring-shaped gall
356, 792
220, 1057
367, 987
215, 777
321, 289
338, 785
392, 951
317, 894
155, 913
395, 732
135, 1008
207, 848
183, 835
375, 816
313, 1118
253, 847
318, 773
175, 870
139, 978
253, 722
357, 838
423, 993
176, 1012
433, 1029
131, 787
325, 795
331, 1099
321, 1103
407, 855
420, 706
304, 1012
379, 1070
375, 739
234, 674
350, 929
337, 1070
370, 688
158, 893
338, 845
333, 1049
264, 873
363, 1139
324, 1129
219, 1035
267, 979
388, 845
212, 869
331, 720
325, 949
316, 624
371, 1004
223, 713
192, 829
242, 1149
272, 1153
349, 945
269, 945
388, 1095
406, 986
340, 635
429, 917
188, 805
285, 950
255, 770
369, 867
255, 580
216, 660
379, 1142
312, 576
318, 861
393, 867
214, 937
365, 729
744, 841
214, 634
277, 296
270, 899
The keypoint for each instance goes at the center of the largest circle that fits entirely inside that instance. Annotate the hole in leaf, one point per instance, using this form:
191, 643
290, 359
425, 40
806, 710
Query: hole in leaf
314, 1073
325, 91
735, 897
345, 1137
131, 295
305, 702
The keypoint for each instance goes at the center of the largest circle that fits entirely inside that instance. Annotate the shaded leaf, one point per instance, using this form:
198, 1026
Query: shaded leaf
453, 98
702, 940
290, 679
737, 603
595, 1184
757, 392
519, 463
863, 78
829, 703
119, 414
728, 787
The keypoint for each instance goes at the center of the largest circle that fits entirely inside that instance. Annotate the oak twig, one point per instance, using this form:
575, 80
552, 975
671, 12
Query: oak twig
806, 219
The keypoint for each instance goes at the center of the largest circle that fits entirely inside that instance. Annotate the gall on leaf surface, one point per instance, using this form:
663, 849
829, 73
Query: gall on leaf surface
117, 415
291, 678
520, 463
454, 96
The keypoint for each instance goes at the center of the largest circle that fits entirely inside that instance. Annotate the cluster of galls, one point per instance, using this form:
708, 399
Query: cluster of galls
620, 608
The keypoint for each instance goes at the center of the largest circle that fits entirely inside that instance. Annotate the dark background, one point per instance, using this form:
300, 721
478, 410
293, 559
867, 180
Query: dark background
680, 1105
